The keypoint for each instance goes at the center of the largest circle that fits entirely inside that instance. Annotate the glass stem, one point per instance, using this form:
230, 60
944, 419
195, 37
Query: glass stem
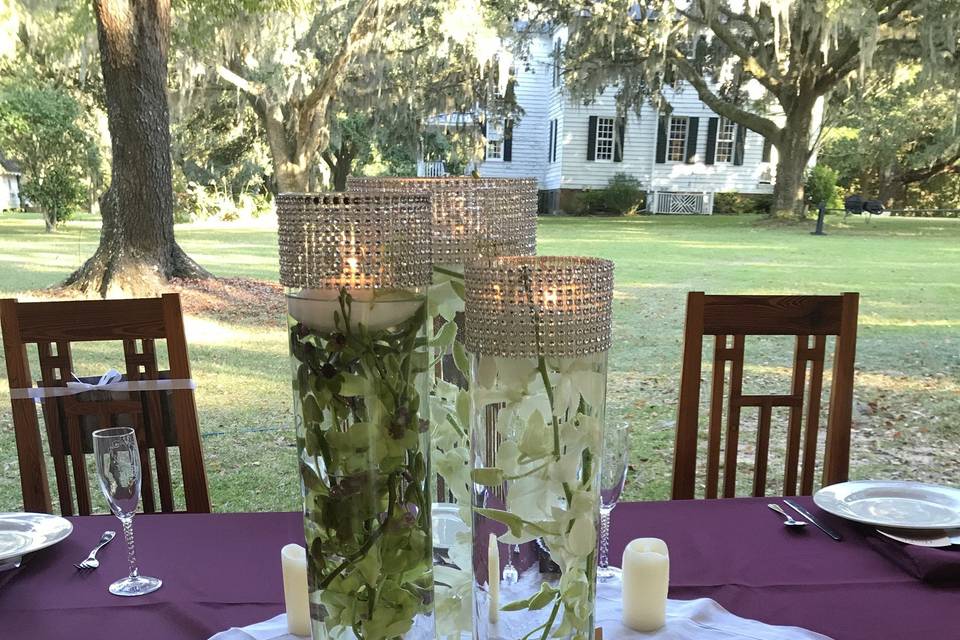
128, 536
604, 538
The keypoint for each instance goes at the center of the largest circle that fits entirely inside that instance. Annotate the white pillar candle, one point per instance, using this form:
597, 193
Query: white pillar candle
646, 577
493, 577
293, 558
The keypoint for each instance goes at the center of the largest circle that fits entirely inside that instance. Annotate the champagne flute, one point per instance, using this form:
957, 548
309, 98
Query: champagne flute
613, 475
118, 470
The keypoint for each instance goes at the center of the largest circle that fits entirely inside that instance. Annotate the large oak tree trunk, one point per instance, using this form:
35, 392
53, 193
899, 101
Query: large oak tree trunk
793, 150
137, 252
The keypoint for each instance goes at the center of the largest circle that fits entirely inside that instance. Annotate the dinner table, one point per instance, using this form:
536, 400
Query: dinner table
223, 570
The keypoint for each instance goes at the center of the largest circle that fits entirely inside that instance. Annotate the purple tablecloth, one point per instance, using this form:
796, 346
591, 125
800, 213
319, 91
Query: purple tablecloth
223, 570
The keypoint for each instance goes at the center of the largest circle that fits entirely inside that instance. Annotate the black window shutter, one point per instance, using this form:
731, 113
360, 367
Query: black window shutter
767, 145
619, 140
693, 128
662, 139
550, 144
508, 140
711, 140
483, 131
556, 134
592, 138
739, 143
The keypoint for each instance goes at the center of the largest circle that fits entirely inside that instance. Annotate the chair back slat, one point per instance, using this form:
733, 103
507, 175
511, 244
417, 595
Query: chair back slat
762, 448
836, 463
732, 445
716, 415
813, 417
806, 318
92, 320
185, 408
79, 463
795, 425
69, 420
772, 315
142, 365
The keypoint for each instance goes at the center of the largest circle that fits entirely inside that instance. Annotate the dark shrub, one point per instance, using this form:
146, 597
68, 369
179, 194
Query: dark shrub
623, 195
729, 203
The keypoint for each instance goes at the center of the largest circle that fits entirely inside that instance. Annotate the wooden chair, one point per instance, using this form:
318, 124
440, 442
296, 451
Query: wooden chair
726, 317
160, 418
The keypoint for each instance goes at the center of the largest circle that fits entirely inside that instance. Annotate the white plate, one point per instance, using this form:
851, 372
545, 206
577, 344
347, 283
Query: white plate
22, 533
893, 503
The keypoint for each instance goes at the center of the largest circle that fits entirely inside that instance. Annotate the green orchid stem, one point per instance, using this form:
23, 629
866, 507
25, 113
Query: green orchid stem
542, 368
553, 616
368, 544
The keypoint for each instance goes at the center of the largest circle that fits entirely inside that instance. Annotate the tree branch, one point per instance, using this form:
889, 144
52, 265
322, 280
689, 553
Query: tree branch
770, 79
313, 107
944, 165
765, 127
333, 75
895, 11
243, 84
838, 67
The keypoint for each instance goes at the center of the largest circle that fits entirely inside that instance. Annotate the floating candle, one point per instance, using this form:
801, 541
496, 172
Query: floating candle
376, 310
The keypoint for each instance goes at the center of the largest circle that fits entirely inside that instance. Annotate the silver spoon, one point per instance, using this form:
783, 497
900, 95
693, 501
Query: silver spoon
790, 522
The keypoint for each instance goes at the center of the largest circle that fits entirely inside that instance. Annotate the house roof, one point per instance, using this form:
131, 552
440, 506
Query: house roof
10, 166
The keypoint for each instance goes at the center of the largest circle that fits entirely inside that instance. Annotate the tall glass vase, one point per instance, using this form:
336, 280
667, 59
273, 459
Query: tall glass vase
361, 378
471, 218
538, 330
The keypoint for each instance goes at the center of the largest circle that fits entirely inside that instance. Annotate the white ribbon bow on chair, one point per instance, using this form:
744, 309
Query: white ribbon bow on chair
112, 380
105, 383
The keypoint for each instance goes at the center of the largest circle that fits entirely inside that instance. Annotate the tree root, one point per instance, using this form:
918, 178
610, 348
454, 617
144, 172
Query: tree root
110, 273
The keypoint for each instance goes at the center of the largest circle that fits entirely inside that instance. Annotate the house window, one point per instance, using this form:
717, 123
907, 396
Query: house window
726, 133
604, 148
677, 142
495, 141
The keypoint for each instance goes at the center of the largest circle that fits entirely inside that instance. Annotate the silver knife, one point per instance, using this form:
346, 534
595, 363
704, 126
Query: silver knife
809, 516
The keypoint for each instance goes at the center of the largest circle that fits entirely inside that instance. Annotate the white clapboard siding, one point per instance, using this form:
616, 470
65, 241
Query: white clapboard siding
542, 102
638, 147
722, 176
531, 132
553, 172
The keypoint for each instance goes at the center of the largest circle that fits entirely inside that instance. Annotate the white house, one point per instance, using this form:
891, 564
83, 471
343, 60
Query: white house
9, 184
681, 159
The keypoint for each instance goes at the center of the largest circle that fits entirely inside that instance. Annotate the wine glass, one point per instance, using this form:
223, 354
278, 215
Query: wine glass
613, 474
118, 470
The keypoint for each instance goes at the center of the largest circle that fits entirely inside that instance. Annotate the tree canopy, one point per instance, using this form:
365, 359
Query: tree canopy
896, 137
46, 130
302, 66
797, 52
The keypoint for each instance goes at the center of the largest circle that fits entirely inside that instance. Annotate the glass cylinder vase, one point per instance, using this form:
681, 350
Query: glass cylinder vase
356, 270
538, 330
472, 218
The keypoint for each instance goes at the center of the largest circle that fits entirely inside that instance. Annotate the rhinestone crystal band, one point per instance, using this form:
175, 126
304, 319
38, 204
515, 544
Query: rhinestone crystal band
356, 240
520, 307
472, 217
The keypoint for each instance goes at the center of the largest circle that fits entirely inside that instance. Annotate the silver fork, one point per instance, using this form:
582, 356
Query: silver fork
91, 561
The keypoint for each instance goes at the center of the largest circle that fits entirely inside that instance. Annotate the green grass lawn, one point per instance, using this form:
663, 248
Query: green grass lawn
907, 420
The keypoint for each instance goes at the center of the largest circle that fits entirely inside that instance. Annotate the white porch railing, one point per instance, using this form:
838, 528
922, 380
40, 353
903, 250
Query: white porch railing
432, 169
695, 202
